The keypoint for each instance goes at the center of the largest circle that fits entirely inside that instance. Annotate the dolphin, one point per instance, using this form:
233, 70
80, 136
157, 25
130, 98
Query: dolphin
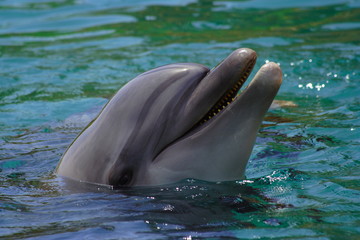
176, 122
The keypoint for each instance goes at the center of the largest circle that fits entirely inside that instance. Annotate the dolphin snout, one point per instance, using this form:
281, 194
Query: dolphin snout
241, 56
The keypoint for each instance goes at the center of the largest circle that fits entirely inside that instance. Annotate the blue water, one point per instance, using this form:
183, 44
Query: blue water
60, 62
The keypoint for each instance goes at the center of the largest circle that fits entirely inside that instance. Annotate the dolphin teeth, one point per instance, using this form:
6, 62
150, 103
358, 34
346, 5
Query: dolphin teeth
228, 97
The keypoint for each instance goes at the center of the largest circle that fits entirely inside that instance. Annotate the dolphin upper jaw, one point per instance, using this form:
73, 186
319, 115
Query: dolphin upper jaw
217, 82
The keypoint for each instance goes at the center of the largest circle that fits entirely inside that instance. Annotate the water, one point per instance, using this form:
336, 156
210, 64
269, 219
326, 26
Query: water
62, 60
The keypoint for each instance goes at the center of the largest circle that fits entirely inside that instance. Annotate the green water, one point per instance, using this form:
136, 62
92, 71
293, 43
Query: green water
60, 62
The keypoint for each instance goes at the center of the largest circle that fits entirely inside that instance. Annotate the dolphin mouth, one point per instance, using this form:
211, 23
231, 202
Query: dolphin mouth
229, 97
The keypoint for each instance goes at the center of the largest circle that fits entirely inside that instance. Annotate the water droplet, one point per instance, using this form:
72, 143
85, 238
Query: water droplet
318, 87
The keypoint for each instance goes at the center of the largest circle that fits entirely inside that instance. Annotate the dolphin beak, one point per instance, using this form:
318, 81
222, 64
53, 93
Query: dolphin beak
224, 142
218, 88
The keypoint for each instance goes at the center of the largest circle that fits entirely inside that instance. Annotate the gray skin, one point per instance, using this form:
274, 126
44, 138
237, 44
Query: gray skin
145, 135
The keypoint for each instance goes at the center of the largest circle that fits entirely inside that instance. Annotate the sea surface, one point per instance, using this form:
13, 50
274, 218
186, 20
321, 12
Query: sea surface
61, 61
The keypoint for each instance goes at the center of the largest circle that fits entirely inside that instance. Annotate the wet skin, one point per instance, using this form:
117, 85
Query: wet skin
174, 122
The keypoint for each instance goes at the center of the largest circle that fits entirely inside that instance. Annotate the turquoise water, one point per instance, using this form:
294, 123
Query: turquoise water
60, 62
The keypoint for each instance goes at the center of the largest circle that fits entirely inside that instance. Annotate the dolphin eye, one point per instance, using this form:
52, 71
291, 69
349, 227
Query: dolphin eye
125, 178
120, 177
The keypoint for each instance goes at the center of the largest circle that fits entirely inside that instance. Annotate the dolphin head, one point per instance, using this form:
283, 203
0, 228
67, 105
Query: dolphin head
174, 122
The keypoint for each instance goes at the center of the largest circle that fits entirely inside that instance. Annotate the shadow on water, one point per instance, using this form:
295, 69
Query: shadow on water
190, 204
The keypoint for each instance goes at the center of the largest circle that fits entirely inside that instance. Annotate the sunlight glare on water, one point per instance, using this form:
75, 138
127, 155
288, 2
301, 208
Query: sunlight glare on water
60, 62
